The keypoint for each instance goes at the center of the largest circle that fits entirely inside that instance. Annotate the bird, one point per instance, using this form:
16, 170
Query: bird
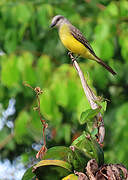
75, 42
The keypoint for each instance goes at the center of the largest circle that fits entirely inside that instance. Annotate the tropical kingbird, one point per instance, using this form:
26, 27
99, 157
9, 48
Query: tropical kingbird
75, 41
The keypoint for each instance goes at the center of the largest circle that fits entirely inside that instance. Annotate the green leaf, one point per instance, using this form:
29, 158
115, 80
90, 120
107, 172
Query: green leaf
59, 153
80, 159
76, 157
71, 177
104, 106
90, 147
52, 168
28, 175
88, 115
59, 163
94, 132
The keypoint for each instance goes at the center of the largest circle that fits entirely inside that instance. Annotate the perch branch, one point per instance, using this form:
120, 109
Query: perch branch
92, 98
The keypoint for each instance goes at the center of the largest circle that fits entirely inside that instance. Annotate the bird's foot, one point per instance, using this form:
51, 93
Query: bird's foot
72, 57
77, 57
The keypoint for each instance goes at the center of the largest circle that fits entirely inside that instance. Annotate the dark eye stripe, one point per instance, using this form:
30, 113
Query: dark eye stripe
59, 19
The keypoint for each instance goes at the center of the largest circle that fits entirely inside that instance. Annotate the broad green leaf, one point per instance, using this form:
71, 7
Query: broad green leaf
71, 177
59, 163
28, 175
52, 168
90, 147
59, 153
80, 159
76, 157
88, 115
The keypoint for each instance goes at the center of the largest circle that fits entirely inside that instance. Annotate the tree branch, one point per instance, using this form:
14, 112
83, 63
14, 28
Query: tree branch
92, 98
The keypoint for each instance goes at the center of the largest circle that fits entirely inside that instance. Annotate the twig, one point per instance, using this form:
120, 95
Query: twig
38, 91
45, 125
92, 98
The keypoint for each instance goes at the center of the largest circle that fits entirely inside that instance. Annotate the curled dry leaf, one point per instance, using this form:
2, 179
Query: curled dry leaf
41, 152
112, 172
91, 168
81, 176
106, 171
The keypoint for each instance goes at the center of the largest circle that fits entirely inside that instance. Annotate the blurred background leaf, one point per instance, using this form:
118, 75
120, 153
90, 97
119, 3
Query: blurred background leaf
33, 53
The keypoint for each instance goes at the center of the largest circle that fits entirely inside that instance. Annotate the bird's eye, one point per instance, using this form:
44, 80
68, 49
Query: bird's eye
57, 19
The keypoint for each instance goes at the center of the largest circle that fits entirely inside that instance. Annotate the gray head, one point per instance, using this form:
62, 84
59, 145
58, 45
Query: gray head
58, 21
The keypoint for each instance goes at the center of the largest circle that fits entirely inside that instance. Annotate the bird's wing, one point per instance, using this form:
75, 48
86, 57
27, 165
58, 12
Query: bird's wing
80, 37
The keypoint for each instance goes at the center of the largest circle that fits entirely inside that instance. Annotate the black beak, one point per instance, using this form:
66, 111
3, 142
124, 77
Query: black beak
52, 25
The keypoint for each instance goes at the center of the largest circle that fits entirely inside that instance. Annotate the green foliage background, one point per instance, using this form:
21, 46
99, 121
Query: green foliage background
34, 54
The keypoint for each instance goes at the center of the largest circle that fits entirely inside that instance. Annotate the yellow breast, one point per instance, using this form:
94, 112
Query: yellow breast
72, 44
